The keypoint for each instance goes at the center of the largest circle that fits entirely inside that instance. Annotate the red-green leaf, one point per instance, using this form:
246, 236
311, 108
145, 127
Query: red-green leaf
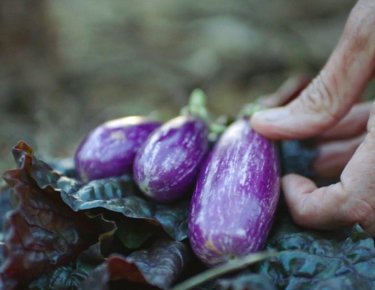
117, 194
5, 206
42, 232
70, 276
158, 266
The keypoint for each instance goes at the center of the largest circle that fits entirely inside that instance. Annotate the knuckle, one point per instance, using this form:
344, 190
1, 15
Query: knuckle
301, 213
359, 35
319, 98
362, 14
354, 209
361, 24
359, 211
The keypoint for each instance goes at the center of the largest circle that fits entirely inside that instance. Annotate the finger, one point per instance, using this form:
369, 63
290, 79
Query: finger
331, 94
288, 91
359, 175
333, 156
350, 201
312, 207
353, 124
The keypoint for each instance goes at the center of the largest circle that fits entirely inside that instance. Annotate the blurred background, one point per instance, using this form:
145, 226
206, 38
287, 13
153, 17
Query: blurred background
67, 66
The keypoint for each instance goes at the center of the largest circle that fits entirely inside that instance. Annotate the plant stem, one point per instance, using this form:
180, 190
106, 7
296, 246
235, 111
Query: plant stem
230, 266
197, 105
249, 109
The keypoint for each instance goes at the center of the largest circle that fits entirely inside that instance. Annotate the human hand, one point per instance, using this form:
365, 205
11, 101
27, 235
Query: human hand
322, 110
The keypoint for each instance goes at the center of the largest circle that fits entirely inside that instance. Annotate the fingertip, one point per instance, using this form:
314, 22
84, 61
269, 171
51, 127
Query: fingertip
294, 185
297, 191
286, 123
272, 115
313, 207
265, 123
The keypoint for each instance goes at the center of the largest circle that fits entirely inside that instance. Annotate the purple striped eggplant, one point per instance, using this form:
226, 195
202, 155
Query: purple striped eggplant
236, 195
167, 165
110, 149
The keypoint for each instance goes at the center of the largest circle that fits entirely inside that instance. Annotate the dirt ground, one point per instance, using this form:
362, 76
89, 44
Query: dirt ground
67, 66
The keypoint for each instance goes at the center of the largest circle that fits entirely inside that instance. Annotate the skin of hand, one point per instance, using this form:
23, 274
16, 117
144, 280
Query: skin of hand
327, 108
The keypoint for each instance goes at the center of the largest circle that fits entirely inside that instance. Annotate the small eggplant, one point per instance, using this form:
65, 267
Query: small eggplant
236, 195
169, 162
167, 165
109, 150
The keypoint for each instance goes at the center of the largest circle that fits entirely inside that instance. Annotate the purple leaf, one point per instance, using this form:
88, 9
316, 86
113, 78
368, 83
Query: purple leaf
42, 232
158, 266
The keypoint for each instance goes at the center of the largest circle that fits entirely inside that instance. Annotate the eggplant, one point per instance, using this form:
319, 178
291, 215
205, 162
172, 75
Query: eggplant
236, 196
167, 165
109, 150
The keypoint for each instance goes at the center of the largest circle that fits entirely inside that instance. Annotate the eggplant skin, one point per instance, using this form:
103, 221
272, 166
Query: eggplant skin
236, 196
109, 150
168, 164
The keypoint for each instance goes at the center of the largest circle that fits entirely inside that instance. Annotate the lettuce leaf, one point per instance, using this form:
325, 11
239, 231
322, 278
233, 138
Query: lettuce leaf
120, 195
158, 266
343, 259
245, 281
117, 194
134, 233
72, 275
41, 233
5, 206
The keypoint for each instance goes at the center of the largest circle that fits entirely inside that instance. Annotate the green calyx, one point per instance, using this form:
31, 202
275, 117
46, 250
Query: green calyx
197, 105
251, 108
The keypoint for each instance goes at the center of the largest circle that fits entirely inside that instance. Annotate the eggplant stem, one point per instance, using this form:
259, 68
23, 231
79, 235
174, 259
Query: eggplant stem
249, 109
230, 266
197, 105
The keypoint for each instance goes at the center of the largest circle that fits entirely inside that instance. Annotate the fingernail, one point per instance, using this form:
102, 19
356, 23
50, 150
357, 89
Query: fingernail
272, 115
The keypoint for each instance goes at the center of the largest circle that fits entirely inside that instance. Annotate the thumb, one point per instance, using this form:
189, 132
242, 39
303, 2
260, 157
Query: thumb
331, 94
350, 201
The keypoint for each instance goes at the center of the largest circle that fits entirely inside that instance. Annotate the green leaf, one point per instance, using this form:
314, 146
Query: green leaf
134, 233
228, 267
71, 276
344, 282
245, 281
64, 166
307, 258
117, 194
